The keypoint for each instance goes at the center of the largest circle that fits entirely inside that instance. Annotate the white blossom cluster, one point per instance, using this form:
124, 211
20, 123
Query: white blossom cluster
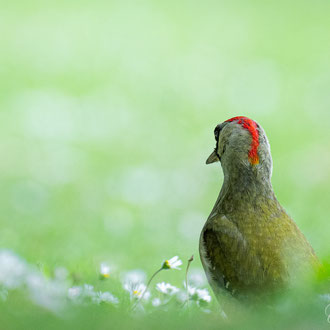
86, 294
16, 273
56, 293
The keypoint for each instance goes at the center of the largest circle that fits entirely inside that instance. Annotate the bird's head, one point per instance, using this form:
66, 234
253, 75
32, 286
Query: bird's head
241, 141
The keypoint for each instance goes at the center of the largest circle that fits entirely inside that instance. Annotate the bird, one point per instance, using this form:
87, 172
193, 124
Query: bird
249, 246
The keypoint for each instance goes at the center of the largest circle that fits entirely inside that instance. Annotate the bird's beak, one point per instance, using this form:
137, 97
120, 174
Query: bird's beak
212, 158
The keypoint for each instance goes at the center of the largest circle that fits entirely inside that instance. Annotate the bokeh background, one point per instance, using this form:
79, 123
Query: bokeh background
107, 111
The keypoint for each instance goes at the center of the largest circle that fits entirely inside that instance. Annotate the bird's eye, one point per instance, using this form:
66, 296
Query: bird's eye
216, 133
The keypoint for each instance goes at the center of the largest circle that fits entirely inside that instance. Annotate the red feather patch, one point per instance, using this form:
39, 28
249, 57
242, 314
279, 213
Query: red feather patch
252, 127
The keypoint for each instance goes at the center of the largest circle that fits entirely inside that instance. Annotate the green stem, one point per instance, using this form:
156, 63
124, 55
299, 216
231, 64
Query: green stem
187, 269
147, 287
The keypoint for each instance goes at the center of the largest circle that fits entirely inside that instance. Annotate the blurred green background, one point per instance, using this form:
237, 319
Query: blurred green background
107, 111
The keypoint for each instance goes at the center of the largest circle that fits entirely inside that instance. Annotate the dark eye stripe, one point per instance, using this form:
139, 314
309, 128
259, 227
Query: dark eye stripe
217, 132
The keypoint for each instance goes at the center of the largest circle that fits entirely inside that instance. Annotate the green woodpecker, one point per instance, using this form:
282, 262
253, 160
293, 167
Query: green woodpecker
249, 245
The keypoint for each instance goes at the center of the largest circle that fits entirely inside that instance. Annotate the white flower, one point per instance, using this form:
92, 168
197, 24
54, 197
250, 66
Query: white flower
81, 294
88, 290
86, 294
133, 283
192, 293
172, 263
13, 270
167, 288
203, 295
16, 272
104, 270
74, 292
45, 292
156, 302
136, 290
105, 297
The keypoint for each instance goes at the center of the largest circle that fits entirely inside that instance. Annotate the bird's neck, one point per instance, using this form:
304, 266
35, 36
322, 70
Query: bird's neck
244, 186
